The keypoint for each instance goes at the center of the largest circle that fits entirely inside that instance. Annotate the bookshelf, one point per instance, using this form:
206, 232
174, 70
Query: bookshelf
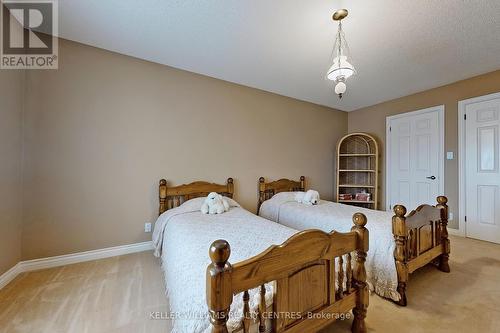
357, 169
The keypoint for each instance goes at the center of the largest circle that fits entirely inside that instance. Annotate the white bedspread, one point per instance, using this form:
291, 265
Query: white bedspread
328, 216
182, 237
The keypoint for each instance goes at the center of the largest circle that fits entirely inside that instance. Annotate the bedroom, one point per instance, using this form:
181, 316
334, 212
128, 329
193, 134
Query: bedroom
203, 91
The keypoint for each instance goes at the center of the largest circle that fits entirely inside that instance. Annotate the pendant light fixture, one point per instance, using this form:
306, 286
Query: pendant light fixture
341, 69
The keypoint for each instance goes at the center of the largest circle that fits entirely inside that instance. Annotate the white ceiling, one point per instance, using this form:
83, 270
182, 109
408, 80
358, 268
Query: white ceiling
399, 47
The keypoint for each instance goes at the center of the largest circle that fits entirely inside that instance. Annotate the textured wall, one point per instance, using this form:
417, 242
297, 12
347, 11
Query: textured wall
11, 107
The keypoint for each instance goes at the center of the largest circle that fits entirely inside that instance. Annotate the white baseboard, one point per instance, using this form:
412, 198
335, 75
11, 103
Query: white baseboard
67, 259
8, 276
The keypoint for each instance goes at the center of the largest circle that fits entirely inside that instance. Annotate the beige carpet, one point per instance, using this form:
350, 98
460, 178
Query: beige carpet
118, 295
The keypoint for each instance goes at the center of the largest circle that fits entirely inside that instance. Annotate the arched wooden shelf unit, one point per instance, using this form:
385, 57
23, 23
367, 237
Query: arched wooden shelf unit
357, 170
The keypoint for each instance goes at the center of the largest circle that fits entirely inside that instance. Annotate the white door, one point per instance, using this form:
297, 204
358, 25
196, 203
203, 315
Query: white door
415, 143
482, 175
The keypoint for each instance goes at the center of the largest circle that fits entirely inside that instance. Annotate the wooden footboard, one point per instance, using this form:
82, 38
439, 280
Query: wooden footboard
421, 237
309, 290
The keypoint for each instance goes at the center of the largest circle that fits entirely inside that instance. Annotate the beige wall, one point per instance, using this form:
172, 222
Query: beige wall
372, 120
11, 107
104, 128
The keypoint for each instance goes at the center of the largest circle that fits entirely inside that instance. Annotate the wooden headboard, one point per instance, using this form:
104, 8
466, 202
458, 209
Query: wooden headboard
267, 190
171, 197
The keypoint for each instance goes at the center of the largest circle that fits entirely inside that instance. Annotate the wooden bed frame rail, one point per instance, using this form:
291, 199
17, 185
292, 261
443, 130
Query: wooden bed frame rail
421, 237
309, 292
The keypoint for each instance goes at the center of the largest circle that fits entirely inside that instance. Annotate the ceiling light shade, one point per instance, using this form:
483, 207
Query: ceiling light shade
341, 68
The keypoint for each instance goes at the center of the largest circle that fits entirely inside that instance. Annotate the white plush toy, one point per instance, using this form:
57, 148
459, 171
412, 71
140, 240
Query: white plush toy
310, 197
215, 204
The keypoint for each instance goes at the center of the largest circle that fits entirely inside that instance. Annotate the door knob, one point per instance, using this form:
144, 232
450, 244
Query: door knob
431, 177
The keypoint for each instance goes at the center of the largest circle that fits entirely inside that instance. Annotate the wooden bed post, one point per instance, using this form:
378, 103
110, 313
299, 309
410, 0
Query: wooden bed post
400, 237
302, 183
219, 290
230, 187
163, 196
262, 192
443, 258
359, 274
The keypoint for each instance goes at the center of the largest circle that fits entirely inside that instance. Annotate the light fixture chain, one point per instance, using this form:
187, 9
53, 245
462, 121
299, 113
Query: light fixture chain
340, 41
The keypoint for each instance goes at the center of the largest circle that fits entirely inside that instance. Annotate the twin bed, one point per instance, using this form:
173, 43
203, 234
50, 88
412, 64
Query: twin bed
281, 280
399, 244
275, 278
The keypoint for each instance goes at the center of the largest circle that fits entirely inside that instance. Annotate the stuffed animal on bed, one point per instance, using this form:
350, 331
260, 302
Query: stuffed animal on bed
310, 197
215, 204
